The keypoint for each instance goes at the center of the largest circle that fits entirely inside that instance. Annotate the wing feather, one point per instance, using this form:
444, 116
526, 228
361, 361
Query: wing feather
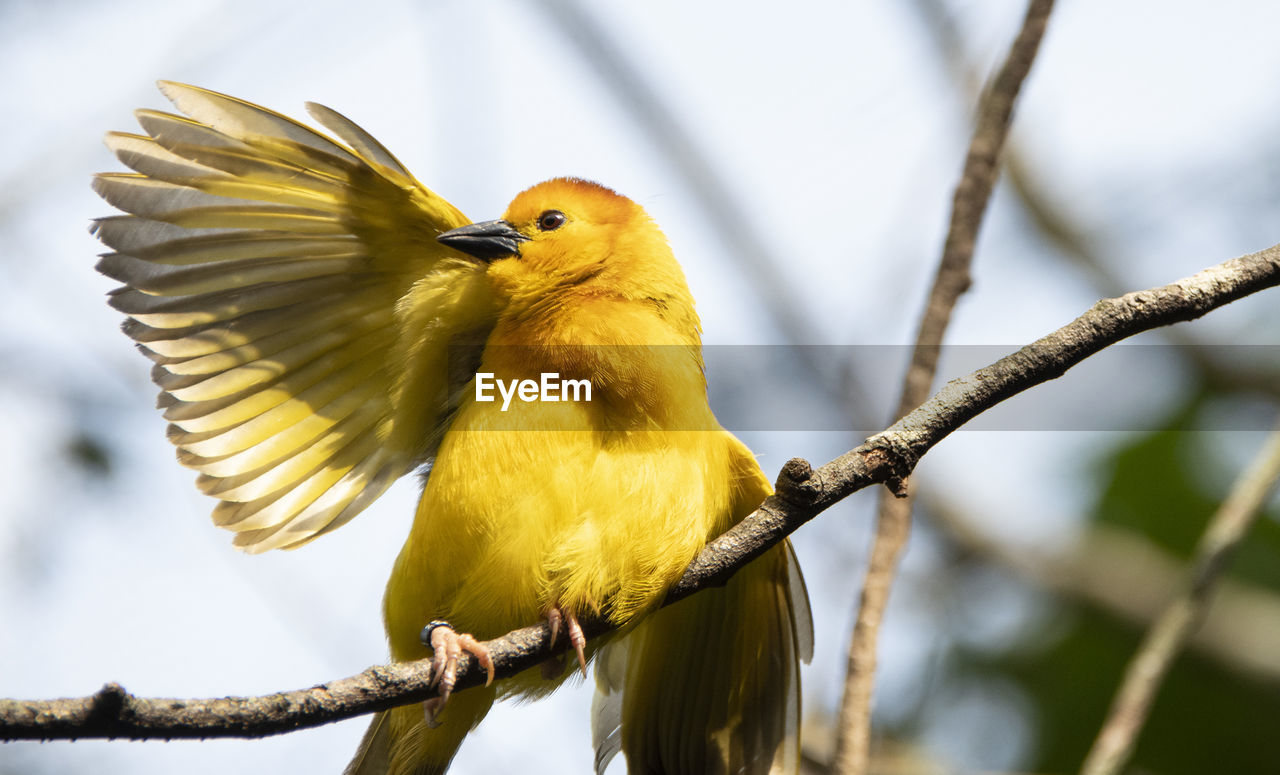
279, 507
159, 344
272, 451
300, 315
241, 245
266, 437
344, 500
231, 173
313, 359
364, 143
254, 124
206, 146
144, 155
153, 239
319, 438
162, 280
290, 340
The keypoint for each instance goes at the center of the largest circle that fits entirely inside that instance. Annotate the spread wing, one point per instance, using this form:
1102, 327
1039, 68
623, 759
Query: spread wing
302, 318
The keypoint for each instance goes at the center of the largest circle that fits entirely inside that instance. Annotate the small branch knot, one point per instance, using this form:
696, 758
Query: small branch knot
108, 702
891, 461
796, 483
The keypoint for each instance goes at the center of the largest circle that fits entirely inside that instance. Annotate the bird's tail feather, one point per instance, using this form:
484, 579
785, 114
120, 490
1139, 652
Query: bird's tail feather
399, 742
711, 684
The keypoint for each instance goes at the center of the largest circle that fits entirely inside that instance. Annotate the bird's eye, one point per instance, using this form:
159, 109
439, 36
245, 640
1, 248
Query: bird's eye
551, 220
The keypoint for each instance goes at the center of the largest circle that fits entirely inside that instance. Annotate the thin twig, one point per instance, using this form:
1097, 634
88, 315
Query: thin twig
802, 493
893, 524
1164, 641
1076, 240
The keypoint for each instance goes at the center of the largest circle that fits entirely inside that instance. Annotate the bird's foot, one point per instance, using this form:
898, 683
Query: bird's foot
447, 646
557, 618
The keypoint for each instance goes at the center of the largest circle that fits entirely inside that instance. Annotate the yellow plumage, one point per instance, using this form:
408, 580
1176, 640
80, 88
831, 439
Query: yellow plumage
314, 341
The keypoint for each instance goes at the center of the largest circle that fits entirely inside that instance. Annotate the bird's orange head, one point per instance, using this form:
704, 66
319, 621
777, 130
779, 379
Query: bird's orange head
586, 286
567, 239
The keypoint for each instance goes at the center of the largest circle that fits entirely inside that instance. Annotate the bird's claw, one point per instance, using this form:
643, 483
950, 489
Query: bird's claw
556, 617
447, 646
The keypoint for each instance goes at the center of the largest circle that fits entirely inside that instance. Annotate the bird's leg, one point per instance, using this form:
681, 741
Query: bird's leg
447, 646
557, 617
552, 667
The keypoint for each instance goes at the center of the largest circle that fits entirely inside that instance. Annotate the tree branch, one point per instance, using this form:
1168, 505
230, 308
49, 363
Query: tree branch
1228, 527
893, 523
1076, 240
802, 494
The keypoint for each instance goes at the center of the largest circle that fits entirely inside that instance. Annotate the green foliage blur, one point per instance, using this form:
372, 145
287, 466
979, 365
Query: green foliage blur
1208, 717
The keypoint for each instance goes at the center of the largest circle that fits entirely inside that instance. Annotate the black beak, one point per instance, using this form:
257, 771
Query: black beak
487, 241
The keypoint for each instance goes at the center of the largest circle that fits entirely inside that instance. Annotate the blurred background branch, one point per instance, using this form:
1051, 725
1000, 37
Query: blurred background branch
893, 521
1184, 614
1084, 245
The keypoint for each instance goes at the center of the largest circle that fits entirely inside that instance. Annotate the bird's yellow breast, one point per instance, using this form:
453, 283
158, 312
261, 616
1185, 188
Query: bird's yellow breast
591, 506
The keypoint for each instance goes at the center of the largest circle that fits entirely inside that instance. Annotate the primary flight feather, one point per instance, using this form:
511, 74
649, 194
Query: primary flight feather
317, 319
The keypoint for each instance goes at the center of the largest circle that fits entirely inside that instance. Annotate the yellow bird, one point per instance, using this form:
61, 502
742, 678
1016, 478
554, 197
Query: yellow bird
321, 324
